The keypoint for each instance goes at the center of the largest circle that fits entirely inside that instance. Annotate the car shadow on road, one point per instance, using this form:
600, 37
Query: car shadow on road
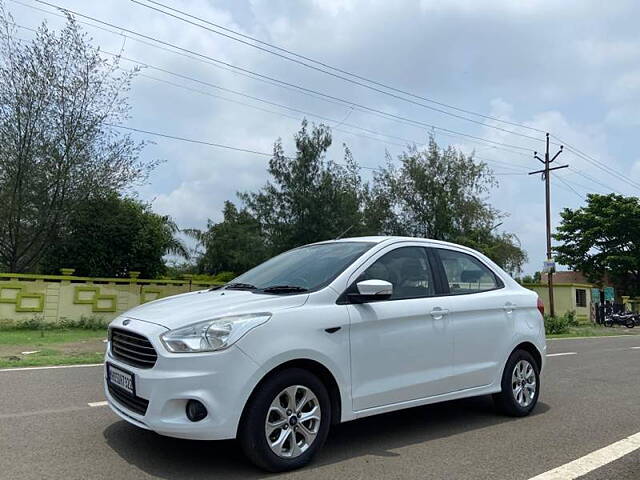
380, 435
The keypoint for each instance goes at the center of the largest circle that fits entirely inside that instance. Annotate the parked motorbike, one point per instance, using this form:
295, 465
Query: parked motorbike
628, 319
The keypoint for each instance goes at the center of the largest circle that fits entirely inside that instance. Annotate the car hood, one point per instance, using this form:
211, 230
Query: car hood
181, 310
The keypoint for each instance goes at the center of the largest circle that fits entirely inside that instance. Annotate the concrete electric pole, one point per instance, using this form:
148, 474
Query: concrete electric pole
547, 180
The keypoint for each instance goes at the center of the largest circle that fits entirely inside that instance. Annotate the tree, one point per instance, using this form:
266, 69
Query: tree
603, 239
59, 102
235, 244
112, 236
308, 198
439, 193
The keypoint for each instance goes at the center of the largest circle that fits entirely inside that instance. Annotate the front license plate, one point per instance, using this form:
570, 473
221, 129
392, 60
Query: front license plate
121, 379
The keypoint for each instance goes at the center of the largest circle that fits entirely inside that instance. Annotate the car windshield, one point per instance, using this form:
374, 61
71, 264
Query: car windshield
305, 268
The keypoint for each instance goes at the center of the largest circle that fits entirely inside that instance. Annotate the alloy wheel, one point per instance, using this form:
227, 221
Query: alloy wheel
523, 383
293, 421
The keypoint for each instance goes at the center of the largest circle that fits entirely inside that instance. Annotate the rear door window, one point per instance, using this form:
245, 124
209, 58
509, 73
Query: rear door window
466, 274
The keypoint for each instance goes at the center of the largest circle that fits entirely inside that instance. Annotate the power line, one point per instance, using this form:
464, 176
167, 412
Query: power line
599, 164
380, 114
593, 180
503, 165
342, 77
348, 102
209, 84
325, 97
570, 187
231, 147
191, 140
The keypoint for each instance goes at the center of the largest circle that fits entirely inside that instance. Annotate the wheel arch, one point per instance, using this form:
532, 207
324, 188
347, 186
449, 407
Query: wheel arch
316, 368
532, 350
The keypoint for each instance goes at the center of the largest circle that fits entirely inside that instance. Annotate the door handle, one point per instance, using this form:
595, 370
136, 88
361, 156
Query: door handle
508, 307
437, 313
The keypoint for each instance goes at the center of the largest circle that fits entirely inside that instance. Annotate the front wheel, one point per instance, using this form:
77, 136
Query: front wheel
286, 421
520, 385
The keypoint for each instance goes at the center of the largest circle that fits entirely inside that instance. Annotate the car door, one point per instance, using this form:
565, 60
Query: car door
401, 348
480, 317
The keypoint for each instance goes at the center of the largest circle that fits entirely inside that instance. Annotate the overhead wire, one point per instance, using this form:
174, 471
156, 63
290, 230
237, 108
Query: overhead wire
351, 80
279, 81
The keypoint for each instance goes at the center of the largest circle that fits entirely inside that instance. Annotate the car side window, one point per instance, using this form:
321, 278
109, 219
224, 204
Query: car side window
407, 269
465, 273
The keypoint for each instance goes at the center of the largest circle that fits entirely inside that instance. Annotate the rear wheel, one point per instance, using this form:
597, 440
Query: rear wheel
630, 323
520, 385
286, 421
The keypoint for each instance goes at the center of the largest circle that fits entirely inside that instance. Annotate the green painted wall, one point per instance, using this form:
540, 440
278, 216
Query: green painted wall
55, 297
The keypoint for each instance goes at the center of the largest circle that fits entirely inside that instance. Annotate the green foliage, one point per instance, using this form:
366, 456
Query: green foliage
434, 193
535, 278
59, 102
560, 324
112, 236
603, 238
236, 244
556, 325
38, 323
307, 198
224, 277
439, 193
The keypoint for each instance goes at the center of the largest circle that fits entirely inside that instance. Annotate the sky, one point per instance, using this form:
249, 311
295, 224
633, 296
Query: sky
570, 68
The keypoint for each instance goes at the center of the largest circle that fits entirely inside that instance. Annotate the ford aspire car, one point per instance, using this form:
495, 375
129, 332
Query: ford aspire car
323, 334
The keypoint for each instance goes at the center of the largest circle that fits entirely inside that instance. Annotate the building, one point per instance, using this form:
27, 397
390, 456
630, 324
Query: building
573, 292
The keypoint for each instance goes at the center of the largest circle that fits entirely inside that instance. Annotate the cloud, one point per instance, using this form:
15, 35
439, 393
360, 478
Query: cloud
566, 67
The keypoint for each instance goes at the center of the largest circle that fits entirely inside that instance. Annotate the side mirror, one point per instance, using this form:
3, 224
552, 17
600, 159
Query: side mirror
371, 291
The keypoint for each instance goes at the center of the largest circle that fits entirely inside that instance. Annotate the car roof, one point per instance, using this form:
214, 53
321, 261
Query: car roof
392, 239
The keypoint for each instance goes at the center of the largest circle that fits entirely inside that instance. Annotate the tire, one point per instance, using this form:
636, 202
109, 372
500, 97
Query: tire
608, 323
630, 323
509, 401
273, 398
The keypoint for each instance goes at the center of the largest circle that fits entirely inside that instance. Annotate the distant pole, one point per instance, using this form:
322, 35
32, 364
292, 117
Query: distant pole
547, 191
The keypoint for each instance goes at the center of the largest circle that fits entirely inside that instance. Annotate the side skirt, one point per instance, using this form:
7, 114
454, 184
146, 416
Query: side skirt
458, 394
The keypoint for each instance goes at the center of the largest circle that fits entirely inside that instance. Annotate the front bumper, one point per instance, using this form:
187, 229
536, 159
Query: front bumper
220, 380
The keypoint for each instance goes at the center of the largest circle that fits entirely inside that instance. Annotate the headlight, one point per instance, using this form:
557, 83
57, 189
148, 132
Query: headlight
211, 335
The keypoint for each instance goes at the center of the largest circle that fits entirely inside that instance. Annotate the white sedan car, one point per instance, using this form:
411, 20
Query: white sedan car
322, 334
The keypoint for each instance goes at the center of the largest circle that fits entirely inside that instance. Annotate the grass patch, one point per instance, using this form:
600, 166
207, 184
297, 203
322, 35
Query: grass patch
592, 331
61, 346
39, 338
50, 357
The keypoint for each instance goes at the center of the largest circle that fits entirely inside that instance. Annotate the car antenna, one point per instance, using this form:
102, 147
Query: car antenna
343, 233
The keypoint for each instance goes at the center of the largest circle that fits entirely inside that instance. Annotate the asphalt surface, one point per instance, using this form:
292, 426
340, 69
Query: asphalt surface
589, 400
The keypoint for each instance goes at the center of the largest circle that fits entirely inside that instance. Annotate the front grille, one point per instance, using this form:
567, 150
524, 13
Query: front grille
132, 348
131, 402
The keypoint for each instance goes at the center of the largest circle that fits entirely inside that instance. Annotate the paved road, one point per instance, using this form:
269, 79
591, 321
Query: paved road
590, 399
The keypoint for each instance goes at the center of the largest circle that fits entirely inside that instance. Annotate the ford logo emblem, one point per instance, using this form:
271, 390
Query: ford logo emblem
126, 322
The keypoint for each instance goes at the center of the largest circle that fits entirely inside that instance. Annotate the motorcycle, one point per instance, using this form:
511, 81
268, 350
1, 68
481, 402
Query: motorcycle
628, 319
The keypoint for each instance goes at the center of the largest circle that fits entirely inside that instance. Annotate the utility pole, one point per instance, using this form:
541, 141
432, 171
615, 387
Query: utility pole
547, 190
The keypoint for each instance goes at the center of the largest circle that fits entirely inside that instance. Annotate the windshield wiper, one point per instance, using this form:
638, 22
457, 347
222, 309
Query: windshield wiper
284, 289
239, 286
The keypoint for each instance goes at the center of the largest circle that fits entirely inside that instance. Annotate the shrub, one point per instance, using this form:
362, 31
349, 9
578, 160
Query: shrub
571, 318
558, 325
38, 323
87, 323
224, 277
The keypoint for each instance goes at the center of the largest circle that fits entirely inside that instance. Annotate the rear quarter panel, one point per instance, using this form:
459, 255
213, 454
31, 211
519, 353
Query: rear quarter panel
528, 323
